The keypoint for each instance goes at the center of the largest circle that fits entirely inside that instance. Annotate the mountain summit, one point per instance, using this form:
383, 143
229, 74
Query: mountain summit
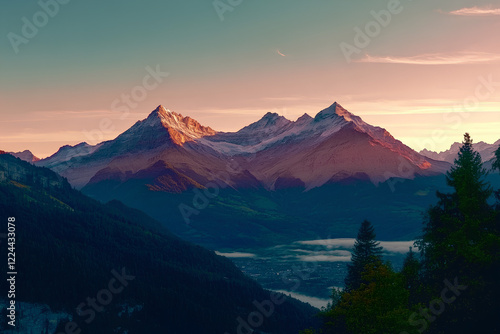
180, 128
25, 155
333, 111
272, 153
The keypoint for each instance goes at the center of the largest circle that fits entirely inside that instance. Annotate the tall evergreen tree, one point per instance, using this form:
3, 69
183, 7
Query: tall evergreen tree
366, 251
453, 230
460, 241
467, 177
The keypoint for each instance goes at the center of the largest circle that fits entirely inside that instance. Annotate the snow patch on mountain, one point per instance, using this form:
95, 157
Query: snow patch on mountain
273, 129
66, 153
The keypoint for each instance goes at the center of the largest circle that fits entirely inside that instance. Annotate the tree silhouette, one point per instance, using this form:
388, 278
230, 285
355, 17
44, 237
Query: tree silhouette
411, 276
496, 163
366, 250
460, 241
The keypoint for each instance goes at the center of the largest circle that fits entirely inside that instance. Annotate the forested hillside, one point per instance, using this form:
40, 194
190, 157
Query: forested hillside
69, 247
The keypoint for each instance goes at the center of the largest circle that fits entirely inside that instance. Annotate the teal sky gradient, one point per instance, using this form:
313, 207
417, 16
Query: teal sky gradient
226, 74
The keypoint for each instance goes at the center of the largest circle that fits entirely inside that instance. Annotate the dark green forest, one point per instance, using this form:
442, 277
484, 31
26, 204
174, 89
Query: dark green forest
68, 244
450, 285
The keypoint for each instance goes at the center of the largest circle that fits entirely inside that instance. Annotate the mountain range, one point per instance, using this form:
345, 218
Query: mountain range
173, 153
487, 152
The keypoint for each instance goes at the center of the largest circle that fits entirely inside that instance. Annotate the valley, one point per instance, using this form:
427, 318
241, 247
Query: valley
256, 195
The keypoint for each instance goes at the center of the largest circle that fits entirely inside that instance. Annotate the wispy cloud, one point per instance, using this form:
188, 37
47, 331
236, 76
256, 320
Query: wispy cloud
281, 53
39, 136
50, 115
476, 11
286, 98
435, 59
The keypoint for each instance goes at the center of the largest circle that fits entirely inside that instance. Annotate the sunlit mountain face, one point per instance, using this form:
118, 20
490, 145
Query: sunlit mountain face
272, 153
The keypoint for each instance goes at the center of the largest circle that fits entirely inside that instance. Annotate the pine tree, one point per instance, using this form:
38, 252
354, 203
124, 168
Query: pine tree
460, 241
366, 251
411, 276
496, 166
496, 163
454, 228
378, 306
467, 178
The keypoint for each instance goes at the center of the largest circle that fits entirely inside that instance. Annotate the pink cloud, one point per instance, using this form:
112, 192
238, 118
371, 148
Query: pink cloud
476, 11
435, 59
280, 53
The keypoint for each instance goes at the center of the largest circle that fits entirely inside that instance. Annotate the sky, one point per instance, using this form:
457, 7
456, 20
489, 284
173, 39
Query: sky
73, 70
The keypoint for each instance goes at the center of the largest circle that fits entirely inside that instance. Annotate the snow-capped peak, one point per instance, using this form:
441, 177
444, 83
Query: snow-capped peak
269, 122
271, 115
334, 111
161, 110
185, 126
